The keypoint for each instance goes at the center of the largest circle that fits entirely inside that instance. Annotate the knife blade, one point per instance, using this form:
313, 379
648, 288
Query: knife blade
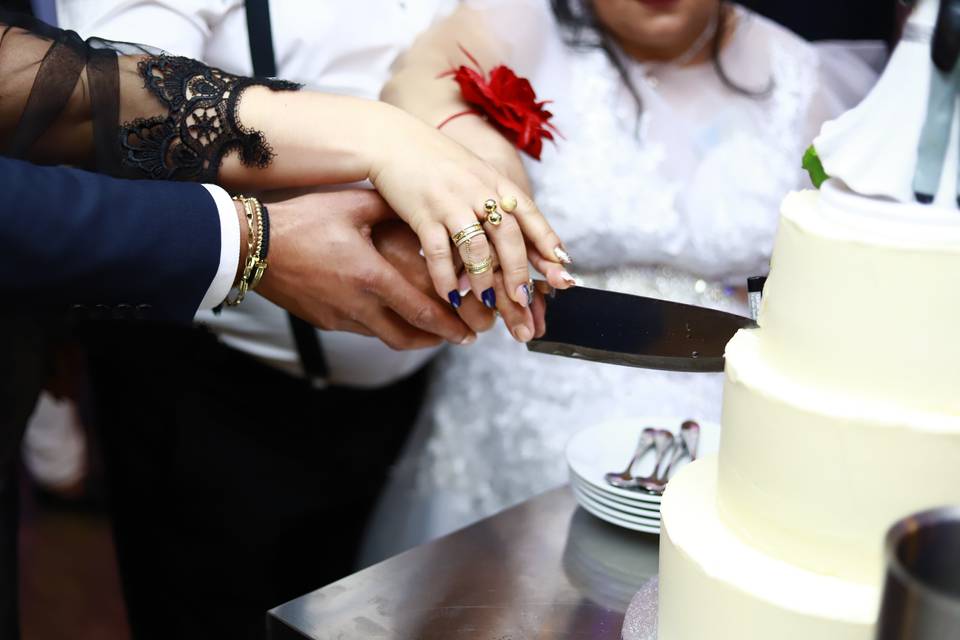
634, 331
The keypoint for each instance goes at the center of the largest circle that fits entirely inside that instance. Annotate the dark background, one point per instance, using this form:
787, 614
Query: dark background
832, 19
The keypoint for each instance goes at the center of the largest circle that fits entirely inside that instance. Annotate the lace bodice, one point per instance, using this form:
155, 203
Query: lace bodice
681, 210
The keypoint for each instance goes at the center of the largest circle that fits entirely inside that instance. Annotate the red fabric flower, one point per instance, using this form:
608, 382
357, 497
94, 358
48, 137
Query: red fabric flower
508, 102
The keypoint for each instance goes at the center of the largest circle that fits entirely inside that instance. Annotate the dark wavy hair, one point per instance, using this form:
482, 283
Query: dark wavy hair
584, 30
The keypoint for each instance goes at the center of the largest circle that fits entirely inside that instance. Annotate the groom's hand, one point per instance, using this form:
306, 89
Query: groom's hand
401, 247
325, 269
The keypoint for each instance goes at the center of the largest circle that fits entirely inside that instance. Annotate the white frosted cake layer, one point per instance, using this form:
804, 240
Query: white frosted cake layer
714, 585
816, 477
862, 298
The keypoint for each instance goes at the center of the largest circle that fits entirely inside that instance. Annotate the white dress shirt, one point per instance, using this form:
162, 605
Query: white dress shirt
329, 45
229, 248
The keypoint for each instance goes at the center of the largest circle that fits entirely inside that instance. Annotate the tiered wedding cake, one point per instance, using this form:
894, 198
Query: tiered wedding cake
841, 414
841, 411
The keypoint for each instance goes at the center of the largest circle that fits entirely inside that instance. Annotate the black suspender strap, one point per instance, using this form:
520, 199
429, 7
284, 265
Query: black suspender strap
265, 66
261, 38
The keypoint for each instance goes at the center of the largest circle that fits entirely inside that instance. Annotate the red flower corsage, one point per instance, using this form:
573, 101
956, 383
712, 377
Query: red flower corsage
507, 101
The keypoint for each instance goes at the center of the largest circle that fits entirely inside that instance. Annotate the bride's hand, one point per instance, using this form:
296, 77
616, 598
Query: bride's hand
479, 136
439, 188
398, 244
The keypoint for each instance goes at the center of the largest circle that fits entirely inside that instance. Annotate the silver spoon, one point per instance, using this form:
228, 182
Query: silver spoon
662, 442
690, 434
686, 445
645, 443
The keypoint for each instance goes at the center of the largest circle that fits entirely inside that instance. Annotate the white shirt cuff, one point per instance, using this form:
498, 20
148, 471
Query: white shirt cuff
229, 248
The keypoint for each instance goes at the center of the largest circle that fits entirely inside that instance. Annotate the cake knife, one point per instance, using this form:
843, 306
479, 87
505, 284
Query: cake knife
634, 331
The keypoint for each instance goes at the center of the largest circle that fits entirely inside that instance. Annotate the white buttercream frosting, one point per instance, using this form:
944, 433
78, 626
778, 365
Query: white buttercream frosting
815, 476
715, 585
858, 301
840, 415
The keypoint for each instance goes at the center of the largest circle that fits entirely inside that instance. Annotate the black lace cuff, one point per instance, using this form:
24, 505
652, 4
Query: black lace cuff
202, 125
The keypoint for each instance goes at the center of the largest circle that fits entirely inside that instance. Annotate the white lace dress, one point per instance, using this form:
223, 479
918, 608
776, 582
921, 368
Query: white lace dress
684, 208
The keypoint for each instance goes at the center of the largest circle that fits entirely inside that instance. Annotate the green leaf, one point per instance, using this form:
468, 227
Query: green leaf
811, 162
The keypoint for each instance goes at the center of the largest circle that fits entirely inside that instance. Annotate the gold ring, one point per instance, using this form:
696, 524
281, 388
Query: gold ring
509, 204
470, 236
466, 233
479, 268
494, 217
465, 240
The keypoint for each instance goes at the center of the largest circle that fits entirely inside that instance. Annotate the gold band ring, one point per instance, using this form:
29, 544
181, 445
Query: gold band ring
466, 233
479, 268
465, 240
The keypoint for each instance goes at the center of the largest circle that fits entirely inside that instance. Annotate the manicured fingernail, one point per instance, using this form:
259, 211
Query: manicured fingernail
523, 333
569, 279
489, 298
524, 295
562, 255
470, 339
454, 297
463, 284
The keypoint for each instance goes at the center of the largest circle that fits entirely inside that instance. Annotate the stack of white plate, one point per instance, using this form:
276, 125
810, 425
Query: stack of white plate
607, 447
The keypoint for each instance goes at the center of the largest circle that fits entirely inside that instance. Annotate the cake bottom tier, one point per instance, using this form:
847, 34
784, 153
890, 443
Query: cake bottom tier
715, 586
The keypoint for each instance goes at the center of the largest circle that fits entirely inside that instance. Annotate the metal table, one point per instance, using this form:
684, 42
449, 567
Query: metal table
544, 569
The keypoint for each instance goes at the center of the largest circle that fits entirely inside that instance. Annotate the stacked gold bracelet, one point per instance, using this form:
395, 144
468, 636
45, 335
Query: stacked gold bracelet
256, 263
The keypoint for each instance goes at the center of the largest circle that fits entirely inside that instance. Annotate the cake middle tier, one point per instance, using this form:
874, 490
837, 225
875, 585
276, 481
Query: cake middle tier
816, 477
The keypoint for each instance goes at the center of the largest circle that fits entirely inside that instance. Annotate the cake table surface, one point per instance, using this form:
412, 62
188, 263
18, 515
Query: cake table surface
543, 569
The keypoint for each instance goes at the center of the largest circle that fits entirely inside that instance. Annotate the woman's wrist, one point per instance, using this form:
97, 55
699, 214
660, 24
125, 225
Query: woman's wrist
319, 138
393, 134
479, 136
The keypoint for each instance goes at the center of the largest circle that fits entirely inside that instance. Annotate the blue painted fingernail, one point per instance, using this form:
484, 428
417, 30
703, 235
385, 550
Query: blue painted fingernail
489, 298
454, 297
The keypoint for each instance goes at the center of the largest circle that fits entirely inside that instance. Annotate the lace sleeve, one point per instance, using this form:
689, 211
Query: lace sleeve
119, 108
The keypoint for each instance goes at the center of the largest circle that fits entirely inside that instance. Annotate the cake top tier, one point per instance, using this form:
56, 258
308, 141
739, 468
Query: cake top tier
901, 142
857, 300
887, 222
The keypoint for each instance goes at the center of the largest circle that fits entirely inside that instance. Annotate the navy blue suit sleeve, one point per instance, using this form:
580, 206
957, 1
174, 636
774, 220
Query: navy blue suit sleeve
79, 238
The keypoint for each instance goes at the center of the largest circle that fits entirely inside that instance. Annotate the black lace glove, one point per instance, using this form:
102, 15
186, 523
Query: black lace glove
201, 125
63, 99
